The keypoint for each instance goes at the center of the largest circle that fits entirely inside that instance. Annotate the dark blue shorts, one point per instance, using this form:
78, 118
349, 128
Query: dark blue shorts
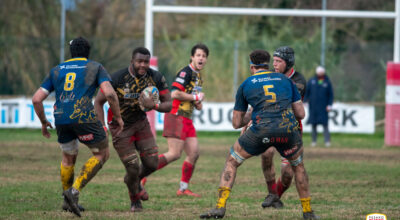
87, 133
256, 142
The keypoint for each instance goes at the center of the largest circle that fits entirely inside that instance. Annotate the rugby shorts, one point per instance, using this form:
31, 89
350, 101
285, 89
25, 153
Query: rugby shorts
286, 143
135, 136
179, 127
87, 133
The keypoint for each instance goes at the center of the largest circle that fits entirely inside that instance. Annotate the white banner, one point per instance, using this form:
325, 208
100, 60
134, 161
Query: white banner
392, 94
344, 118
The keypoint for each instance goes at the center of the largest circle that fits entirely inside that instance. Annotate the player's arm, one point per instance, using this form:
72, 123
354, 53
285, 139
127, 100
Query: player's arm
37, 101
183, 96
165, 101
99, 102
239, 119
112, 99
298, 110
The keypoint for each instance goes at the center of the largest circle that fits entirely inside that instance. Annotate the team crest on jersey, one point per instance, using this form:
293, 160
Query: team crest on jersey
83, 110
182, 74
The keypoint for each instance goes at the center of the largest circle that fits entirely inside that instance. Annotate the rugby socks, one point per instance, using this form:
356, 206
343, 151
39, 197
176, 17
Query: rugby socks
305, 203
88, 171
162, 161
272, 187
67, 176
187, 171
223, 195
280, 188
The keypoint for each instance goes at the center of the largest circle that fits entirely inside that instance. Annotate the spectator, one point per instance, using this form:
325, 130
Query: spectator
319, 95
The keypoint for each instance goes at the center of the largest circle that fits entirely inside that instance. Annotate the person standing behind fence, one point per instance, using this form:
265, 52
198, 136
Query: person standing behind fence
319, 95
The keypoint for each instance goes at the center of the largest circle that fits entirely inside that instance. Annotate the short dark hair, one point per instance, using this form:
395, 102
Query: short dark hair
141, 50
260, 58
200, 46
79, 47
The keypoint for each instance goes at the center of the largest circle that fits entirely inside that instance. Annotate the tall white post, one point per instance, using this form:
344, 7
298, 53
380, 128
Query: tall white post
148, 37
62, 33
396, 54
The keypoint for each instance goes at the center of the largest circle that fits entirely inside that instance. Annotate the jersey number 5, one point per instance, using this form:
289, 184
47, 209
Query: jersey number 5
69, 81
269, 93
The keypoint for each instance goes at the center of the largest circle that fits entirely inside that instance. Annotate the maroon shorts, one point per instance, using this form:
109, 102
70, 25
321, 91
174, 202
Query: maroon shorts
136, 136
177, 126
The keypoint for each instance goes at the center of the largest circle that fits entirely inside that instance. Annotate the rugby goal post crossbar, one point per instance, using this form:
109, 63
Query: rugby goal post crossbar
151, 9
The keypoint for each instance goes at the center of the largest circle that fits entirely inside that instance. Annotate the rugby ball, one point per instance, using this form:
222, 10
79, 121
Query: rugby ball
146, 93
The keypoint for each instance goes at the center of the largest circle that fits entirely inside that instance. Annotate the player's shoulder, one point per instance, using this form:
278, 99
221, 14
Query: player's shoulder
154, 73
185, 72
298, 77
119, 74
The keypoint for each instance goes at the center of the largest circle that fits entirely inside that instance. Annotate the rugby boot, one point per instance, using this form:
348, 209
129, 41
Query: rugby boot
142, 192
136, 206
187, 192
272, 200
310, 215
66, 207
71, 196
214, 213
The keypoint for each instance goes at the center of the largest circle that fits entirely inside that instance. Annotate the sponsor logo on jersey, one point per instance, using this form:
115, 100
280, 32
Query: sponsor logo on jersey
86, 137
182, 74
180, 80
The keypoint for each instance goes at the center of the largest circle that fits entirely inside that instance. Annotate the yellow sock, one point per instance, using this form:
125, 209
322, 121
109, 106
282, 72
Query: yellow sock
67, 176
88, 171
223, 195
305, 202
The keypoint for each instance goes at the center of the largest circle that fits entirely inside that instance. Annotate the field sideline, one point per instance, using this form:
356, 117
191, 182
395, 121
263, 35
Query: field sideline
354, 177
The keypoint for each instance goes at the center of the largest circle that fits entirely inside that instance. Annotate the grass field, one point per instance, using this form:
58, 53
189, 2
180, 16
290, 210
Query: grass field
354, 177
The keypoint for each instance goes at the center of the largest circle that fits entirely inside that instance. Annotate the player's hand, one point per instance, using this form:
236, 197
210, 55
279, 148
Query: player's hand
328, 108
147, 102
245, 128
119, 125
198, 97
198, 105
45, 132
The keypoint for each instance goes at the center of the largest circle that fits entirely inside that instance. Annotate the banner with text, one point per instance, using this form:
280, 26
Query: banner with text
344, 118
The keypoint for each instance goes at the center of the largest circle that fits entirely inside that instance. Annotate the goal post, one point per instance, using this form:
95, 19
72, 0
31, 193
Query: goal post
151, 9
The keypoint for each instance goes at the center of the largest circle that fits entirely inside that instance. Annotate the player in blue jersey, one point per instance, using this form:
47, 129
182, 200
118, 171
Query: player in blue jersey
276, 107
74, 82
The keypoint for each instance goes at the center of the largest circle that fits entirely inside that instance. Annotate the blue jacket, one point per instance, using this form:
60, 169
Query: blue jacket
319, 95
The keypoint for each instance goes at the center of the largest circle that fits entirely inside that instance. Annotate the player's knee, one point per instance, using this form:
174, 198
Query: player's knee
296, 161
131, 164
235, 158
70, 148
175, 156
150, 163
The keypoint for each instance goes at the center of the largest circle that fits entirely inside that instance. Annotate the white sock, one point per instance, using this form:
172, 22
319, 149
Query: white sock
183, 186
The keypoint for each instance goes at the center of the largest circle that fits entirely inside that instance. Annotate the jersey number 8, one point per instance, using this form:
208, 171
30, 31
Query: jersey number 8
69, 81
269, 93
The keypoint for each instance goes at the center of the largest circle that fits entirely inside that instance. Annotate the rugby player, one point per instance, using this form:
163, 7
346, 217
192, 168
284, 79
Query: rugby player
276, 107
75, 82
178, 126
129, 83
284, 61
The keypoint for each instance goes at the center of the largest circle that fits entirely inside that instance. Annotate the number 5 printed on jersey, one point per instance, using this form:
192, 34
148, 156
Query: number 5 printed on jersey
69, 81
269, 93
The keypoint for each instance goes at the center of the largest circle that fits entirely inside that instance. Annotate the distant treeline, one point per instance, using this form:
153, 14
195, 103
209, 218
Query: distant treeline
356, 49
